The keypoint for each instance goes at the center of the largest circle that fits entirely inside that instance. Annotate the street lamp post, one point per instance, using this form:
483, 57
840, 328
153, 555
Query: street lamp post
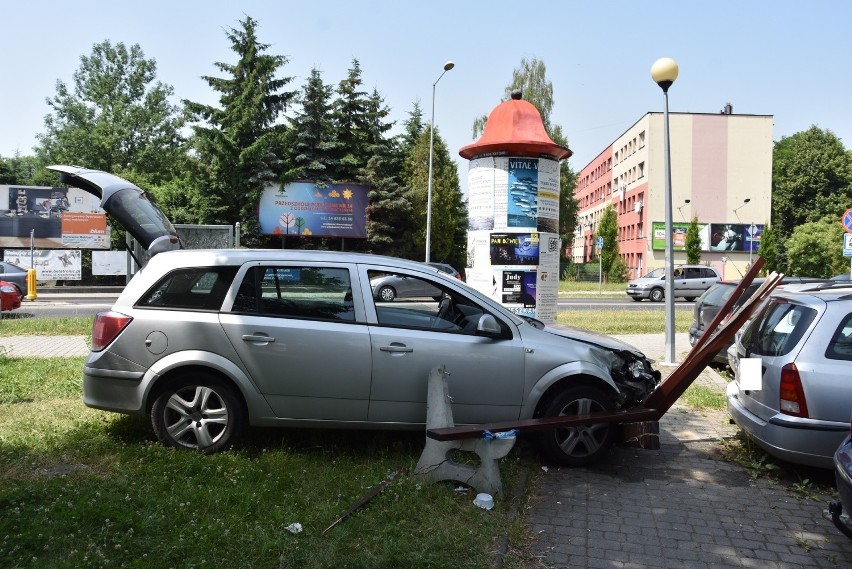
680, 208
664, 72
751, 229
447, 66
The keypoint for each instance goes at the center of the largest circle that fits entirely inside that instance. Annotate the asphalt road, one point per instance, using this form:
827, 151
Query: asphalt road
54, 304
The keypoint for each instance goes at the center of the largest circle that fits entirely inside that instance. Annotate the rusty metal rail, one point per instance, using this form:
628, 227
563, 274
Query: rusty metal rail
716, 336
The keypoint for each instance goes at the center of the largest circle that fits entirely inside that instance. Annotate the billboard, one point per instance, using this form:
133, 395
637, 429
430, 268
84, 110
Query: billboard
306, 209
714, 236
50, 265
54, 217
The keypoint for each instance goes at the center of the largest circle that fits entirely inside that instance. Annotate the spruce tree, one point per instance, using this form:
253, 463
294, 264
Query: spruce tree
314, 142
238, 143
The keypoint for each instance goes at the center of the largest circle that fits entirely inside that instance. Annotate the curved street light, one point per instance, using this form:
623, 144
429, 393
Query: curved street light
664, 72
447, 66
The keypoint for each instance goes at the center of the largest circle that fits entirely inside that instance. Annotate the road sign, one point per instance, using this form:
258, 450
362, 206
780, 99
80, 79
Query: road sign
846, 220
847, 245
600, 242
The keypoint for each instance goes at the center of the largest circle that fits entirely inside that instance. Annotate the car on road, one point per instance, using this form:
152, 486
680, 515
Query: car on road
389, 287
208, 342
10, 298
15, 275
791, 393
714, 298
690, 282
449, 269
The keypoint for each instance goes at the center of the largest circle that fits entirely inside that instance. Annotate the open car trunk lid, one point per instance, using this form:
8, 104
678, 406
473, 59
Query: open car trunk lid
128, 204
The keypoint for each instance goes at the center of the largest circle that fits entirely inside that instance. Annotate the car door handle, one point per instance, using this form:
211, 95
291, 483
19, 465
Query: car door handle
257, 338
396, 349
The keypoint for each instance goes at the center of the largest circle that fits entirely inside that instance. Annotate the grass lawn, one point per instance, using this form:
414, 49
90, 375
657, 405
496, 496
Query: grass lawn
85, 488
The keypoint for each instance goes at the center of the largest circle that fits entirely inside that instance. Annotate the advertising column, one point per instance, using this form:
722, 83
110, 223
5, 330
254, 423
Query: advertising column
513, 210
513, 245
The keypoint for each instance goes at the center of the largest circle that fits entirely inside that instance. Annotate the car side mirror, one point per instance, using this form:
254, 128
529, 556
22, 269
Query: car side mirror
488, 326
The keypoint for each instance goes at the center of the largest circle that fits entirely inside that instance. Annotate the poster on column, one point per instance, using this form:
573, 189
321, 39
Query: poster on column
501, 192
521, 207
514, 249
480, 194
548, 196
518, 291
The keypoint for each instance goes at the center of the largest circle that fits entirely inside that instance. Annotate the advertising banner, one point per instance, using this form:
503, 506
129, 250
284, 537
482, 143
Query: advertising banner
714, 236
53, 217
109, 262
50, 264
303, 208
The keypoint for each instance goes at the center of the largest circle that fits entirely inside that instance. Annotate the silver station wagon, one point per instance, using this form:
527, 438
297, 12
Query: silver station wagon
207, 342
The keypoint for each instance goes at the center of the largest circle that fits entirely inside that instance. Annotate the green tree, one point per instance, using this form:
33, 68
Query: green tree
815, 249
352, 126
610, 254
389, 209
772, 250
314, 143
449, 213
531, 79
114, 117
238, 143
693, 242
811, 178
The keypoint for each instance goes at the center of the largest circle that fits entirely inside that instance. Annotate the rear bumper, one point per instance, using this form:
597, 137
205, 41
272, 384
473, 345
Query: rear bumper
801, 441
121, 392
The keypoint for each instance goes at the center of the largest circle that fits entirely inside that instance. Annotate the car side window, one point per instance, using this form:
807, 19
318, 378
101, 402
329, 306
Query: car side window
708, 273
840, 345
312, 293
693, 273
199, 288
405, 301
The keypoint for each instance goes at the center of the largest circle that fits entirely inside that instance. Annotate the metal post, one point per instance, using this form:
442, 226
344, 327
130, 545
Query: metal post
670, 320
447, 66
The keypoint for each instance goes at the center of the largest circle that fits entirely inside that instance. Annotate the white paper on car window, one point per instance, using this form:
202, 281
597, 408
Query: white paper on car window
751, 374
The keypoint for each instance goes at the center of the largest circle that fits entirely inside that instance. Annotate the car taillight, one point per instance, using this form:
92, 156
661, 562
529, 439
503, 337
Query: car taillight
791, 393
107, 326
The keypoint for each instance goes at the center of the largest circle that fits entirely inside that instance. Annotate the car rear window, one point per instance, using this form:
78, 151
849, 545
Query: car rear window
840, 345
717, 295
199, 288
778, 329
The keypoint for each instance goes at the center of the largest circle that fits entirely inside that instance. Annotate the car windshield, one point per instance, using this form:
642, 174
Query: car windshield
656, 273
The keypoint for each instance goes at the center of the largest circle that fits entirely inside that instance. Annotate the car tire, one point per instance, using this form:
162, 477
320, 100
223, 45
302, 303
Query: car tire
386, 294
200, 412
689, 298
657, 295
583, 445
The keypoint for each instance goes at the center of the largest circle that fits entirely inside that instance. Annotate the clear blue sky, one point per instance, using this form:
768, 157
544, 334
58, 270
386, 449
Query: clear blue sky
782, 58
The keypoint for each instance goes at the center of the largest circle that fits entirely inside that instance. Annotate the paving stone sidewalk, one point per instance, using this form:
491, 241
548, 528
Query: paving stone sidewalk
679, 507
44, 346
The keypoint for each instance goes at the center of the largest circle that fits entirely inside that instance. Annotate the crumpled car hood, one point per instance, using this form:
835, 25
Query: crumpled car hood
594, 338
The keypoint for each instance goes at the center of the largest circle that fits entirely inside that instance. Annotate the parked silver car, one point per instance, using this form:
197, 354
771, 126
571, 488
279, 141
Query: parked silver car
796, 404
690, 282
207, 341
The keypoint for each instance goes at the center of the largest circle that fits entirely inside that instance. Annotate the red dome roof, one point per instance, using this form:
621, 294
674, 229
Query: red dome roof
515, 128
